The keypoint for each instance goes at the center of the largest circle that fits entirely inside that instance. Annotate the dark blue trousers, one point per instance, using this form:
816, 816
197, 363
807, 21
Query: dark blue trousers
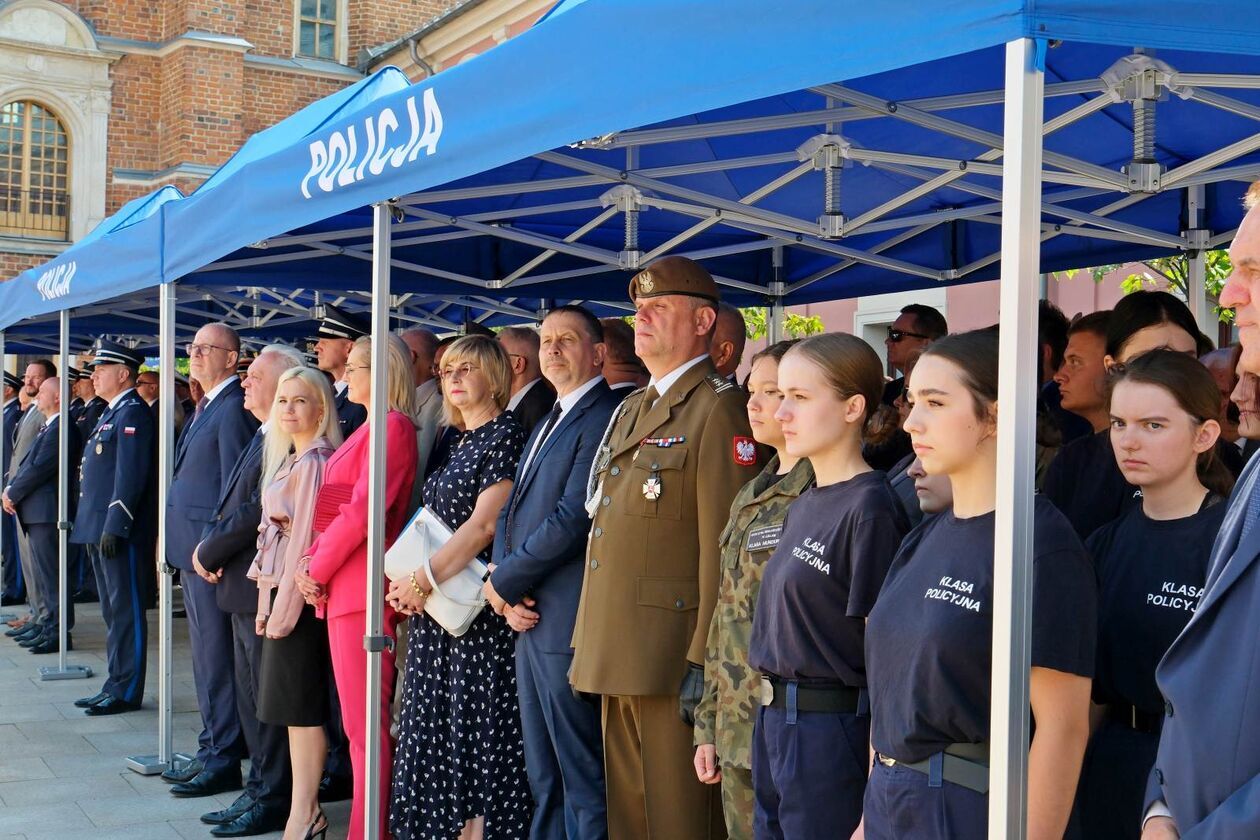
1112, 790
809, 772
45, 551
900, 804
210, 631
126, 626
564, 754
269, 781
82, 578
12, 586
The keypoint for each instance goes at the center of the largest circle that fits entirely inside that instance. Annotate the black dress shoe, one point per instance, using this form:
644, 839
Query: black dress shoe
335, 788
110, 706
242, 804
11, 601
32, 639
89, 702
208, 783
182, 773
50, 644
259, 819
28, 631
84, 597
14, 632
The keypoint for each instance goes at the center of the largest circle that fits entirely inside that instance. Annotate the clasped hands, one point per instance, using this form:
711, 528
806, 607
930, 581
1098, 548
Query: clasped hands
312, 590
520, 617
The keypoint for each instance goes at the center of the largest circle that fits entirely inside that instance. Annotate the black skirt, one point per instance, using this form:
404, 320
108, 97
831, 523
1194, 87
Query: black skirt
293, 675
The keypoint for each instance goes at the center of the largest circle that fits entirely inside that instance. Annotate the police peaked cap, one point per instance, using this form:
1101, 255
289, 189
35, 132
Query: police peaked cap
338, 323
112, 353
11, 380
76, 374
674, 276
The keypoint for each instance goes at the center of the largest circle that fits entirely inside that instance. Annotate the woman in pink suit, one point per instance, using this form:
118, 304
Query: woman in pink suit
337, 571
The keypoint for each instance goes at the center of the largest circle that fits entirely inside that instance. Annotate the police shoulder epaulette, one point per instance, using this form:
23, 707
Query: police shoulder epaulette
719, 384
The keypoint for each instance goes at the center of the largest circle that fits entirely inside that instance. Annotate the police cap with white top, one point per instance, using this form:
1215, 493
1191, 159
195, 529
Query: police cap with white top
12, 380
338, 323
111, 353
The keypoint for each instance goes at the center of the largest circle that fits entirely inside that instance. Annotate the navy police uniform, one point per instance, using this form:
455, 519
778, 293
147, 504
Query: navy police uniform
118, 501
1150, 575
929, 666
810, 737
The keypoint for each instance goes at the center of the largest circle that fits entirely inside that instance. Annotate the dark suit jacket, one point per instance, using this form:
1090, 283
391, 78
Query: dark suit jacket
534, 406
1208, 766
33, 490
230, 541
207, 452
350, 415
12, 414
540, 539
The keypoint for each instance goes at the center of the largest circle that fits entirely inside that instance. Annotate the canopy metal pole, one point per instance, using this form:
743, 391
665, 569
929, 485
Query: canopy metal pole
62, 671
1013, 528
4, 519
374, 641
148, 765
774, 313
1196, 236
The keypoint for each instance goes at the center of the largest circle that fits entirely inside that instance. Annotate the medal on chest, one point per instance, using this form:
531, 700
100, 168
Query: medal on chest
100, 448
652, 488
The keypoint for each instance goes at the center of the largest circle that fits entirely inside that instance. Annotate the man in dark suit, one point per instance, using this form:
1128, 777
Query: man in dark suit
1206, 779
331, 345
539, 546
532, 396
12, 588
116, 523
32, 496
225, 553
23, 441
208, 449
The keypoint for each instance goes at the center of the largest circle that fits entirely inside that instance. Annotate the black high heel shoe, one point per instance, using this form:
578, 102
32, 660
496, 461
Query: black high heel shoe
318, 827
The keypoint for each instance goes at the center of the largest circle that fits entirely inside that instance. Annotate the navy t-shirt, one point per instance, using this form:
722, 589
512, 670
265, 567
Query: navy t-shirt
1084, 481
929, 638
822, 580
1150, 576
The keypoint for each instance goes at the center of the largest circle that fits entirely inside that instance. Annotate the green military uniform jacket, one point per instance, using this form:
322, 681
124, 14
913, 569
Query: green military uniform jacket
725, 714
664, 490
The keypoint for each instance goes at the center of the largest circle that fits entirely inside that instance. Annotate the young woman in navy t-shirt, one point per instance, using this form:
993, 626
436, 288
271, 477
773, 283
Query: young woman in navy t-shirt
1152, 563
809, 751
929, 637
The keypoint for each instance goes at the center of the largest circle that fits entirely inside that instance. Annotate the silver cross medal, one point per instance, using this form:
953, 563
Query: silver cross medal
652, 488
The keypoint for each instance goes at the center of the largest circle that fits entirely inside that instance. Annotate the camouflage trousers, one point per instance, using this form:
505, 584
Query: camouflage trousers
737, 802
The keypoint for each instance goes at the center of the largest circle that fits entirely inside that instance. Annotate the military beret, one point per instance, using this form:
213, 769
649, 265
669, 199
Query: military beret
112, 353
11, 380
338, 323
674, 276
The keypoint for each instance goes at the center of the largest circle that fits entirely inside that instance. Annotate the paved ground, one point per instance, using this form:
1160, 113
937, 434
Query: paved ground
62, 774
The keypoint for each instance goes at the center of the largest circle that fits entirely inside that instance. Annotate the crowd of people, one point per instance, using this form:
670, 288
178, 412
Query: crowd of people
712, 607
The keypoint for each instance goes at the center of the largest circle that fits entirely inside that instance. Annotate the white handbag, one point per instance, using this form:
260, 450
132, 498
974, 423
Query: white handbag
456, 603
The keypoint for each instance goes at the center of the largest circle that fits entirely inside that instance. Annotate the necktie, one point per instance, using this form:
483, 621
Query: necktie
650, 396
201, 406
552, 419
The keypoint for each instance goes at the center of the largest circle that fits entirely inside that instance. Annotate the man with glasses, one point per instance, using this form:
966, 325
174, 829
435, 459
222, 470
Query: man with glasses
531, 396
331, 345
915, 328
212, 441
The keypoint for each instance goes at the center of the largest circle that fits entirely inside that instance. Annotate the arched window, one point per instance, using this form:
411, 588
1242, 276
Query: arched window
34, 172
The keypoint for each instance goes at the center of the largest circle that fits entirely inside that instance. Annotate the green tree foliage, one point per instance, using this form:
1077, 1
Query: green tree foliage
1175, 272
756, 323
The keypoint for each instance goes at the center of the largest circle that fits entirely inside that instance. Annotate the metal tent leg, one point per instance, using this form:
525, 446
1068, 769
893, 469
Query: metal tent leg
62, 670
1013, 536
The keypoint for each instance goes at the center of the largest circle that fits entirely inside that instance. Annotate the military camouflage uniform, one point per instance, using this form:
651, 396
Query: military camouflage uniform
725, 714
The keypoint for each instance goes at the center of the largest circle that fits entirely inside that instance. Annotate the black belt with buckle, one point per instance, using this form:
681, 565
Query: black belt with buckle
1136, 719
776, 692
960, 764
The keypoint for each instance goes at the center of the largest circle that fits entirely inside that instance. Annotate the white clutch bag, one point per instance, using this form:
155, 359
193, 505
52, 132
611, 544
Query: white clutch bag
456, 603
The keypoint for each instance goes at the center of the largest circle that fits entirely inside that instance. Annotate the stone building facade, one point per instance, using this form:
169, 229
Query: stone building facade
102, 101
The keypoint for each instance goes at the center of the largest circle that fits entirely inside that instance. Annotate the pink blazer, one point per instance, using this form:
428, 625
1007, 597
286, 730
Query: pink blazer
339, 554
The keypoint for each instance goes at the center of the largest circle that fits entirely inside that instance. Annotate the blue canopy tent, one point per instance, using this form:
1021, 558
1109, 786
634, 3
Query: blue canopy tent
824, 152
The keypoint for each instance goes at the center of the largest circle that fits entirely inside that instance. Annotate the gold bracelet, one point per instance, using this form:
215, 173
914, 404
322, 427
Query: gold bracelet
416, 587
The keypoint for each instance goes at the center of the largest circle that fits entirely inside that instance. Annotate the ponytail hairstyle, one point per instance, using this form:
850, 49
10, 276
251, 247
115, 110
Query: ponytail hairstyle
975, 354
1194, 389
848, 364
1141, 309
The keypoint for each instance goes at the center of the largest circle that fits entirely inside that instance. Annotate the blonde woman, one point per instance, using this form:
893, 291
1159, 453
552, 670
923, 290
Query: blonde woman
336, 578
460, 770
294, 668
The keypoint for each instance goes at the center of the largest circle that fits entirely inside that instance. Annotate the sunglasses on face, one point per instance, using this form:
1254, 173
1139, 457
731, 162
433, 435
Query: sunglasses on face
897, 335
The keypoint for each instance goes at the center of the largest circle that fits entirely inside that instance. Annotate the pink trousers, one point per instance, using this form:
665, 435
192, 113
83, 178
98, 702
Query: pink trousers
349, 659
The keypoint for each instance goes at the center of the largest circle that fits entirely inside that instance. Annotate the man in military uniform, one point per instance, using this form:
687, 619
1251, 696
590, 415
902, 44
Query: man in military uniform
331, 345
115, 523
673, 458
90, 407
